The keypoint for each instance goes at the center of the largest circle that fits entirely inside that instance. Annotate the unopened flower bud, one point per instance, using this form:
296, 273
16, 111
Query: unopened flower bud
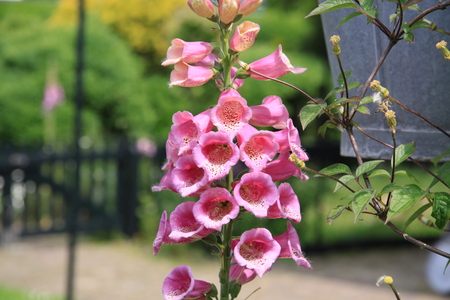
228, 10
335, 41
385, 279
244, 36
442, 45
203, 8
391, 120
297, 161
248, 7
376, 86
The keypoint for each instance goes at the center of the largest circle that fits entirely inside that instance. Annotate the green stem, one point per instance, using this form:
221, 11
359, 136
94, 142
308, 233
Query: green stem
225, 261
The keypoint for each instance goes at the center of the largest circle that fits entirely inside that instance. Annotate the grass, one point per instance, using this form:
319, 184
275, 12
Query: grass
7, 293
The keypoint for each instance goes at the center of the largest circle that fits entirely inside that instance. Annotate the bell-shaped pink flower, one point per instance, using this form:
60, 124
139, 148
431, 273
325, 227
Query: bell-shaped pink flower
188, 52
215, 208
231, 112
289, 140
244, 36
275, 65
187, 177
242, 275
203, 8
180, 284
248, 7
271, 112
257, 149
216, 154
189, 76
228, 10
208, 62
282, 168
257, 250
256, 192
290, 247
287, 206
166, 182
183, 223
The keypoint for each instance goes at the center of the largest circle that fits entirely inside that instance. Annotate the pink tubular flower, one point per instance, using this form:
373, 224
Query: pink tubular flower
187, 177
180, 284
184, 225
287, 207
244, 36
215, 208
53, 96
248, 7
257, 149
228, 10
290, 247
203, 8
189, 76
289, 140
208, 62
216, 154
256, 192
257, 250
282, 168
275, 65
188, 52
242, 275
271, 112
231, 112
166, 182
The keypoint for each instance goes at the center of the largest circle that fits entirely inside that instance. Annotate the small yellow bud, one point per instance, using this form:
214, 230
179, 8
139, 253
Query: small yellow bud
299, 163
388, 280
376, 86
335, 41
442, 45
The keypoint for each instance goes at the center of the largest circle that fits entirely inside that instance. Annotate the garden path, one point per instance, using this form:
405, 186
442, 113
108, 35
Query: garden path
125, 270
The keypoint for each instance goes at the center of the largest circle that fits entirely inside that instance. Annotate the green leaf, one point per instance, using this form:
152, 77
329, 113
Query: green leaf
334, 91
363, 109
367, 166
365, 100
403, 152
409, 37
354, 85
345, 179
360, 200
416, 214
331, 5
403, 199
438, 158
405, 173
323, 129
309, 113
381, 172
336, 169
441, 209
444, 173
411, 3
366, 4
392, 17
347, 74
349, 17
389, 188
335, 213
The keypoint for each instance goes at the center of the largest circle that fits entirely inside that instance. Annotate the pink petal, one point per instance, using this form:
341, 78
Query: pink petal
287, 207
188, 52
242, 275
187, 177
184, 224
290, 247
272, 112
282, 168
258, 149
189, 76
244, 36
289, 140
178, 283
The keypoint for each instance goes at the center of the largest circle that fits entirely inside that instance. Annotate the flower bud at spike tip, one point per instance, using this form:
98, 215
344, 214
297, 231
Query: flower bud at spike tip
228, 10
385, 279
442, 45
203, 8
248, 7
376, 86
335, 41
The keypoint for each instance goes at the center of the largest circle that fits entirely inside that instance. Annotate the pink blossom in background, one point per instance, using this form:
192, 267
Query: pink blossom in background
53, 96
188, 52
271, 112
189, 76
257, 250
290, 247
275, 65
146, 147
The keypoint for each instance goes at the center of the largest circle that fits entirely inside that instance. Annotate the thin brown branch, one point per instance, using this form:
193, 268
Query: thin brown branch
328, 176
439, 6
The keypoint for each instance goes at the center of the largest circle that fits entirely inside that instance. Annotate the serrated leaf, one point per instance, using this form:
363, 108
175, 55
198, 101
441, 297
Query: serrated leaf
416, 214
365, 100
389, 189
309, 113
367, 166
441, 209
363, 109
349, 17
403, 199
331, 5
360, 200
345, 179
381, 172
336, 169
409, 37
403, 152
405, 173
438, 158
335, 213
444, 173
347, 74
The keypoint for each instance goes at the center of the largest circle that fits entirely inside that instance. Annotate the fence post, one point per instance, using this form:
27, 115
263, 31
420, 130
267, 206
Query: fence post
7, 211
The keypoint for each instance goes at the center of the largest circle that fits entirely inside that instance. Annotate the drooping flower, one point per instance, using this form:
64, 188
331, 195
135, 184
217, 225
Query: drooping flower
189, 76
231, 112
290, 247
180, 284
166, 182
187, 177
256, 192
208, 62
228, 10
257, 148
244, 36
247, 7
242, 275
203, 8
216, 154
184, 225
271, 112
257, 250
275, 65
289, 140
282, 168
188, 52
216, 207
287, 206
